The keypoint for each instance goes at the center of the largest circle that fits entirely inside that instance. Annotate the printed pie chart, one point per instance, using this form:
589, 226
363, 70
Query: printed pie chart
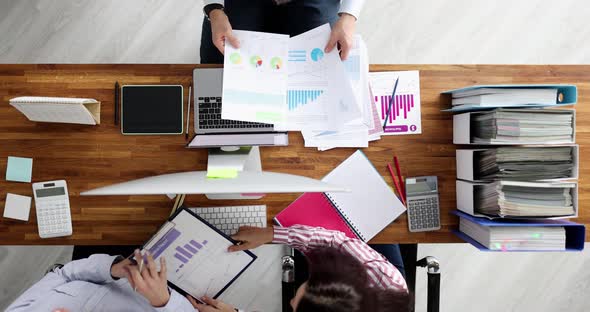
235, 58
276, 63
256, 61
317, 54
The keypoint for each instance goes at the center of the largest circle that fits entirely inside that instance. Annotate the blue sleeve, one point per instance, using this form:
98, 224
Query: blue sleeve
95, 269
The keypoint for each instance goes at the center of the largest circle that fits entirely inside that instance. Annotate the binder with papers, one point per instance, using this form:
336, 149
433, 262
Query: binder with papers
518, 163
484, 97
515, 127
516, 199
520, 235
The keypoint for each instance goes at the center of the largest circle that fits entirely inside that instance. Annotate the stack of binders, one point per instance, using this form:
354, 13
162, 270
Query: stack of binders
519, 174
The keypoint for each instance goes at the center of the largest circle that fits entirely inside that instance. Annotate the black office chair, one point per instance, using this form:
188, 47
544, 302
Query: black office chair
295, 273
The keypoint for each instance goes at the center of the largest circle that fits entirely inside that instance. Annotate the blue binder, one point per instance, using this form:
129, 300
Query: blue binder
569, 92
575, 233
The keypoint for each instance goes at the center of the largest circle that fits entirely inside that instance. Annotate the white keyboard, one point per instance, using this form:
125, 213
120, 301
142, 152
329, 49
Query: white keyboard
229, 219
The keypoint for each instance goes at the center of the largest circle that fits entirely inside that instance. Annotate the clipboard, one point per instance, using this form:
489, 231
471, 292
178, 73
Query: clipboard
165, 240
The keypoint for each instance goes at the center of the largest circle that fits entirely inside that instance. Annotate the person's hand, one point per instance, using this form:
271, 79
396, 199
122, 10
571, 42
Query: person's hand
251, 237
150, 283
119, 270
211, 305
221, 30
342, 34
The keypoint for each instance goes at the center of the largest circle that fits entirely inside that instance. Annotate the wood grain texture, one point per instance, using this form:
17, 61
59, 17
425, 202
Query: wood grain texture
92, 156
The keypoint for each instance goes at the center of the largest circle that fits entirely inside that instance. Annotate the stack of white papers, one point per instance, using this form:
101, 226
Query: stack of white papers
525, 199
524, 163
365, 126
523, 126
493, 97
295, 85
289, 82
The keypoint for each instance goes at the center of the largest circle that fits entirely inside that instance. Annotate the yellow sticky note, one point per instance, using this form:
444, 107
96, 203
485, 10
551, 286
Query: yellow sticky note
222, 173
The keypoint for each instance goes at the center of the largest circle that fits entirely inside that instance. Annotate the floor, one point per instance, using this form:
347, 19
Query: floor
396, 31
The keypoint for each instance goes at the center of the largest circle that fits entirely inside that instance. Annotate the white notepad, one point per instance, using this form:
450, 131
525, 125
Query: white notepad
371, 205
56, 109
17, 207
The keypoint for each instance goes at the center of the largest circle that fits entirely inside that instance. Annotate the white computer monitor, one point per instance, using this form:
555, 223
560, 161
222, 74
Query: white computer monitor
196, 182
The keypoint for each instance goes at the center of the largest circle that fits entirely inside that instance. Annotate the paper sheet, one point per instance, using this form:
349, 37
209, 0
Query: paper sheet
404, 116
319, 95
255, 78
365, 127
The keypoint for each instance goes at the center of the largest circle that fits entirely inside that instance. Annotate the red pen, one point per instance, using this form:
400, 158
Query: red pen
399, 176
396, 184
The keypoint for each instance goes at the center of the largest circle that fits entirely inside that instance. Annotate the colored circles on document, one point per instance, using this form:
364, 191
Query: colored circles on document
276, 63
256, 61
235, 58
317, 54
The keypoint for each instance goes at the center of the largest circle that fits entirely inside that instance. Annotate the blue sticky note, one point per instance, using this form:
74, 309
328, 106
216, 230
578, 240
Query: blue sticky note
19, 169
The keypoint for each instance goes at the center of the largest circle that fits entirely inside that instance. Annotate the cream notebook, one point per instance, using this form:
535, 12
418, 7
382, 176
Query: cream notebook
56, 109
371, 205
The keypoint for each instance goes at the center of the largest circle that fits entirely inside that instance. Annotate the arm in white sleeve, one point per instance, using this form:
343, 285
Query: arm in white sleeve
352, 7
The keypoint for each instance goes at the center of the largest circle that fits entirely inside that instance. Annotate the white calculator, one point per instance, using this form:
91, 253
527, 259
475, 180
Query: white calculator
52, 204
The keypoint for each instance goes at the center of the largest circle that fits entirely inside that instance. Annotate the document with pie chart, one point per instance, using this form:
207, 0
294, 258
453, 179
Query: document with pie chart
319, 94
255, 78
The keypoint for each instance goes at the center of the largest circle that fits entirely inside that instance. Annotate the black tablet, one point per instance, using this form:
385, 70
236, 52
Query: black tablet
151, 109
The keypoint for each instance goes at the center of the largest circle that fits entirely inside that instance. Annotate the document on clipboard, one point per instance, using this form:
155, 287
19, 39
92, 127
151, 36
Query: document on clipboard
197, 260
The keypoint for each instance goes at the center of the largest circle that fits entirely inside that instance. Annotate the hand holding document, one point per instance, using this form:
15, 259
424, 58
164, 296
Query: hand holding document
365, 126
291, 83
319, 94
255, 78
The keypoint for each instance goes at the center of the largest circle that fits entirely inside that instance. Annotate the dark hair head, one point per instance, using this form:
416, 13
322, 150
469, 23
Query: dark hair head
338, 282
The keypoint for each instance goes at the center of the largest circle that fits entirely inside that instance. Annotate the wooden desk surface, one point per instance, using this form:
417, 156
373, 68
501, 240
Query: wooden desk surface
92, 156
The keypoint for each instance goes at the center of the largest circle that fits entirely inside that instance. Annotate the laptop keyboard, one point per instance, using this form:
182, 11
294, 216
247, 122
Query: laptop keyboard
210, 116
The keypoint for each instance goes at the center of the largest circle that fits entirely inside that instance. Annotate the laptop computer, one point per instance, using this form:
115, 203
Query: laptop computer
211, 130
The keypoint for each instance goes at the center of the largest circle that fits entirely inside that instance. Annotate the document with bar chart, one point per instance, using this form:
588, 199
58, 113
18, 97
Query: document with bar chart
197, 260
319, 94
404, 116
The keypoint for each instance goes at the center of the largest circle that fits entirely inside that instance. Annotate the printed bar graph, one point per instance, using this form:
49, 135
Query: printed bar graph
164, 243
297, 55
353, 66
190, 248
192, 242
296, 98
186, 252
403, 104
183, 252
181, 258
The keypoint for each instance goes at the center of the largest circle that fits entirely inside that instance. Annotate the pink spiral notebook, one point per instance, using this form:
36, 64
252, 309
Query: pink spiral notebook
362, 213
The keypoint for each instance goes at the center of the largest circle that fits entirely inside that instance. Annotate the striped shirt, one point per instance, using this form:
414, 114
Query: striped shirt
304, 238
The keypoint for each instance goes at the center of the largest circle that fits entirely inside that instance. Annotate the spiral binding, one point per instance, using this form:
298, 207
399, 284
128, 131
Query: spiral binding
348, 221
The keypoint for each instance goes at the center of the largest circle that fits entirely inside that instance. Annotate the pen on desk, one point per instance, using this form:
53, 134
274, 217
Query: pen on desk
399, 176
396, 184
188, 113
390, 104
117, 102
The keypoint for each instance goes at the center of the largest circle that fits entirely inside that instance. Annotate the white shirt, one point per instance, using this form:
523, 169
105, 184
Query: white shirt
87, 285
352, 7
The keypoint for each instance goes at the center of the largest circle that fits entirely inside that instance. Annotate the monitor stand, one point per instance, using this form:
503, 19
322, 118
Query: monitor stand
251, 163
